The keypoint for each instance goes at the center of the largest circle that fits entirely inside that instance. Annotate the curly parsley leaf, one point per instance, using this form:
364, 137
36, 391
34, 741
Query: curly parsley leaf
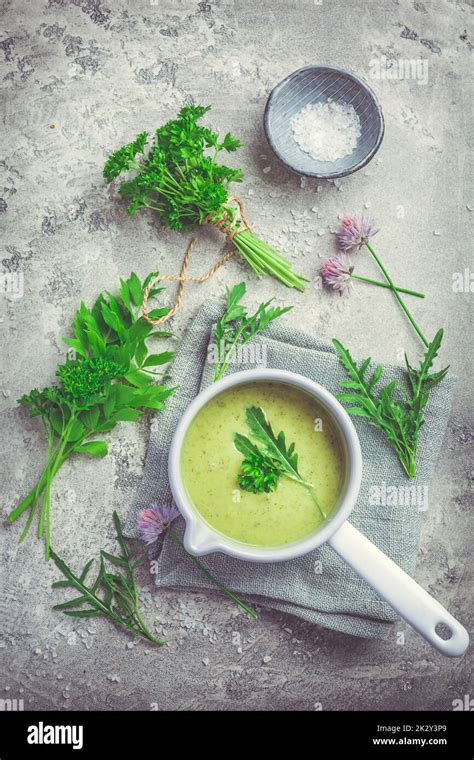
258, 472
178, 176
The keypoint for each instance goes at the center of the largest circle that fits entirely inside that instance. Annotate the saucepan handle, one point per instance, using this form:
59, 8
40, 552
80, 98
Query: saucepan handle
407, 597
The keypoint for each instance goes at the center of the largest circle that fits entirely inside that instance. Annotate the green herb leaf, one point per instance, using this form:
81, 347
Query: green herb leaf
97, 389
398, 415
93, 448
262, 467
180, 179
236, 328
112, 595
155, 360
259, 473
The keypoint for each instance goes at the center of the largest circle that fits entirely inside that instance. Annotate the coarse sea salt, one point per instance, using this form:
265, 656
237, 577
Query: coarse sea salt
327, 131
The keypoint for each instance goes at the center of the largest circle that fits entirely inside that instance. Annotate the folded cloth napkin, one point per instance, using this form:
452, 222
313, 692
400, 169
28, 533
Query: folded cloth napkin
319, 587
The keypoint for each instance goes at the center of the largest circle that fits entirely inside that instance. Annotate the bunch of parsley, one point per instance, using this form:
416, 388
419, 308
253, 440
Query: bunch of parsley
178, 177
112, 379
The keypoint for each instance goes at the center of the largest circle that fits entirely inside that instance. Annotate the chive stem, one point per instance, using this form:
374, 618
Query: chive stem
213, 580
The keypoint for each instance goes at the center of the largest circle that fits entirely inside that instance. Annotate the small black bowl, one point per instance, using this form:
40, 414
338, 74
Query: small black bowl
311, 85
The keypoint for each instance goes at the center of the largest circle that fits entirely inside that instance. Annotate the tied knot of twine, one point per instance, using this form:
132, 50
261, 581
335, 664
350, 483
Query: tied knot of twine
227, 226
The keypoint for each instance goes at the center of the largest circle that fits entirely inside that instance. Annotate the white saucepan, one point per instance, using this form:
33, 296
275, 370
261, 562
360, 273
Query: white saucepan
410, 600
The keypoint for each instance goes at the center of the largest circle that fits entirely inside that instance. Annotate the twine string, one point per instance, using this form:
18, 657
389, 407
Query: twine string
228, 228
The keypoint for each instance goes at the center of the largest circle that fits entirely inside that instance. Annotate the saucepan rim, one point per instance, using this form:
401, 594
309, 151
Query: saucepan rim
200, 538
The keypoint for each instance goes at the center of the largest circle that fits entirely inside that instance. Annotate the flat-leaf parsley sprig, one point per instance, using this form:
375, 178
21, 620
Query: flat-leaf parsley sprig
178, 177
112, 379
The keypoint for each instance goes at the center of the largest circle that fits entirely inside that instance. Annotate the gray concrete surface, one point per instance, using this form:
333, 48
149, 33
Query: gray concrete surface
80, 78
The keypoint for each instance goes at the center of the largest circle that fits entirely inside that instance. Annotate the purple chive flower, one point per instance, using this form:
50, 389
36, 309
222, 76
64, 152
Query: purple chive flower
336, 273
153, 520
354, 232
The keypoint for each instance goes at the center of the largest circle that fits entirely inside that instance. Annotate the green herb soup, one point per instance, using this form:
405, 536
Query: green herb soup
210, 464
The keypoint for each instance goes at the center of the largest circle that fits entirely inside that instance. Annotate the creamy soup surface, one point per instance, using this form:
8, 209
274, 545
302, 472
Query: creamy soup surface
210, 464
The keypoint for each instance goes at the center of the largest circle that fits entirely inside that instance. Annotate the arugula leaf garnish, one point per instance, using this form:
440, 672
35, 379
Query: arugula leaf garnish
262, 467
114, 594
400, 414
276, 446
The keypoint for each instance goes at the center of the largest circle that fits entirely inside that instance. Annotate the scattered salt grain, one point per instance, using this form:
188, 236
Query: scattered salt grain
205, 661
266, 659
327, 131
436, 233
267, 169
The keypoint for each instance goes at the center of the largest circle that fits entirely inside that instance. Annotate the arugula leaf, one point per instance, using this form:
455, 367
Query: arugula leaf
262, 467
236, 327
112, 595
398, 413
274, 445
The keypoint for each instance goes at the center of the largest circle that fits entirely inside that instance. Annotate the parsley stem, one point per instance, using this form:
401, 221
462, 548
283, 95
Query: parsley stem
44, 525
29, 499
395, 293
213, 580
29, 521
265, 259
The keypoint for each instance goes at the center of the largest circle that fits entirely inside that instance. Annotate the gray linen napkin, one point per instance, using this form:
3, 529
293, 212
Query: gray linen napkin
319, 587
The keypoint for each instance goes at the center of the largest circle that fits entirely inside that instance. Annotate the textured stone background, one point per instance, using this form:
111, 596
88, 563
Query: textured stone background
80, 78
